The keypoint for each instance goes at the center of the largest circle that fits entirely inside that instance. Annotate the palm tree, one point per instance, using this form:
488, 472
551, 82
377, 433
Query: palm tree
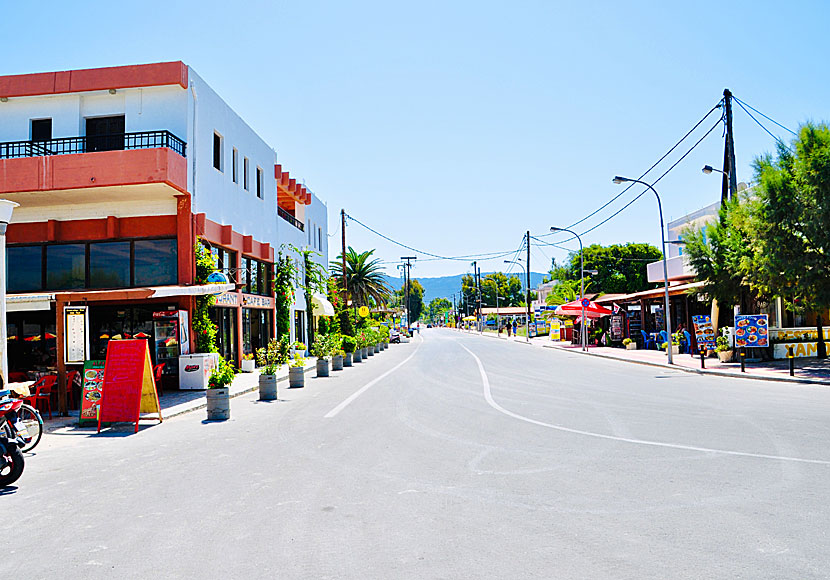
364, 277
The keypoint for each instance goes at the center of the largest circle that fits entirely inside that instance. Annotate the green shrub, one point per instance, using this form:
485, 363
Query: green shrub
349, 344
222, 375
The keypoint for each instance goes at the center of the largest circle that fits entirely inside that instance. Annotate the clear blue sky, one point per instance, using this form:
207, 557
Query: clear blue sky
456, 126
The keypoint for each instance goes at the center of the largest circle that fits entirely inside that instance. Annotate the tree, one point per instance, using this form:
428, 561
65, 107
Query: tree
437, 307
509, 290
792, 241
314, 280
566, 291
285, 275
416, 299
621, 268
364, 277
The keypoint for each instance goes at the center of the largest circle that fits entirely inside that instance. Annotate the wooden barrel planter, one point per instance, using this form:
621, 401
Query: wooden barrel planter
267, 387
347, 360
218, 404
337, 362
296, 377
322, 367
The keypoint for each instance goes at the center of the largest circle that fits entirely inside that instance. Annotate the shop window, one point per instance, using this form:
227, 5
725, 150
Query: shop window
26, 275
109, 265
66, 267
156, 262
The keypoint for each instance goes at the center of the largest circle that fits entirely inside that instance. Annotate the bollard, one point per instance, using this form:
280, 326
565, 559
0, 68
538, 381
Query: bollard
743, 362
702, 359
792, 360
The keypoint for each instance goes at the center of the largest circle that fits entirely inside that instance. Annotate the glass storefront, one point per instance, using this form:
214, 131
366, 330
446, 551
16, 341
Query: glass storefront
31, 340
116, 322
225, 321
256, 329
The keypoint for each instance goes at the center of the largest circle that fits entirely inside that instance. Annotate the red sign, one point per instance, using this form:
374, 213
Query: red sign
93, 382
129, 388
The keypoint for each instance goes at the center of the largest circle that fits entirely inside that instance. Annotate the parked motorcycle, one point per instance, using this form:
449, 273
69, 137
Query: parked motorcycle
20, 422
11, 461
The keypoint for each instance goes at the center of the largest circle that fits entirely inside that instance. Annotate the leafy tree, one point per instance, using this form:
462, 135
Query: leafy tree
468, 302
621, 268
416, 299
364, 277
285, 274
566, 291
437, 307
509, 290
203, 327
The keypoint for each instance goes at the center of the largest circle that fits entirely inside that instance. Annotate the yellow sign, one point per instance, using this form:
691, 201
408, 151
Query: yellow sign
363, 311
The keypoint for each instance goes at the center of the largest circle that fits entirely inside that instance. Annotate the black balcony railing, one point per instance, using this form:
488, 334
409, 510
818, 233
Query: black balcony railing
90, 143
290, 219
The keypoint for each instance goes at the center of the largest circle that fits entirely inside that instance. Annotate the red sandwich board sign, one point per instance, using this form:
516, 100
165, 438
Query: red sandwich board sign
129, 388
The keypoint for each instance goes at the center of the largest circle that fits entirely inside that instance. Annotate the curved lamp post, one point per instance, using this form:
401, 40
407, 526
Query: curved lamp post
617, 179
583, 337
6, 209
527, 299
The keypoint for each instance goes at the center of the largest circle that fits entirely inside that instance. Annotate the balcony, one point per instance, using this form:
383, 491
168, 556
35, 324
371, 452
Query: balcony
290, 219
93, 143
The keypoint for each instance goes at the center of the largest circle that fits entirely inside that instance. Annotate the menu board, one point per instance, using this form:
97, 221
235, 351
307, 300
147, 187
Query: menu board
91, 390
751, 330
704, 332
616, 328
75, 332
129, 388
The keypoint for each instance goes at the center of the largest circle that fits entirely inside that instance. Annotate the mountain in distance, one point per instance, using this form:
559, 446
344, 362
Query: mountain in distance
446, 286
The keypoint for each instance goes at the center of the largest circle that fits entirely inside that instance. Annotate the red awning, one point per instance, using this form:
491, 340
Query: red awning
592, 310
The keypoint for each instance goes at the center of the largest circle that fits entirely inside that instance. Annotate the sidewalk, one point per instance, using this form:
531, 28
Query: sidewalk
175, 403
807, 371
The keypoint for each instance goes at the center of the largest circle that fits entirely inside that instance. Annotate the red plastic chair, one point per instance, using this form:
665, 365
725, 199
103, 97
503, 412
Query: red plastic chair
157, 370
43, 392
70, 383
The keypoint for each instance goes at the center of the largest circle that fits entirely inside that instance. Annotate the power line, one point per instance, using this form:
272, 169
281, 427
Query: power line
770, 119
656, 163
761, 125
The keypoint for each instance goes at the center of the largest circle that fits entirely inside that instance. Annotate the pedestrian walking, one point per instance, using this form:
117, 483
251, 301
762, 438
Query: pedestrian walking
514, 327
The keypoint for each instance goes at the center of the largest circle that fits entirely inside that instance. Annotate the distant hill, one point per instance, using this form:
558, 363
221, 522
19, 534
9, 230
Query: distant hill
445, 286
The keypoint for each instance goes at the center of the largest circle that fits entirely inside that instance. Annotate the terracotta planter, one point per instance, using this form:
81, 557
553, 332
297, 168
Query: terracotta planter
322, 367
296, 377
218, 404
347, 360
267, 387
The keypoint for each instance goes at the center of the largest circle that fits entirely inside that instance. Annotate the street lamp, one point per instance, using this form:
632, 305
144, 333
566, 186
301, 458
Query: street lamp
583, 338
527, 299
6, 209
617, 179
708, 169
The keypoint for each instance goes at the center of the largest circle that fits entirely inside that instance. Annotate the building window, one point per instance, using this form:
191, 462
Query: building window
27, 274
156, 262
225, 261
259, 182
257, 277
235, 165
320, 239
66, 267
245, 174
41, 129
217, 151
105, 133
109, 265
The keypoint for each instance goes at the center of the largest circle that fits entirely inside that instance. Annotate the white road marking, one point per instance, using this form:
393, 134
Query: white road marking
366, 387
490, 401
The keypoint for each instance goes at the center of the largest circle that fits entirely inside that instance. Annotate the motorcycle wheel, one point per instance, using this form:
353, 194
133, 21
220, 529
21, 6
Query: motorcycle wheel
13, 468
34, 425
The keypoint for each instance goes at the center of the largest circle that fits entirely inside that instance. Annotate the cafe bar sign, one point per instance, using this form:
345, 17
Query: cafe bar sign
76, 334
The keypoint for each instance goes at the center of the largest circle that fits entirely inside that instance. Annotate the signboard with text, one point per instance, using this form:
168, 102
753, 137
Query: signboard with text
129, 388
704, 332
751, 330
92, 387
76, 334
616, 328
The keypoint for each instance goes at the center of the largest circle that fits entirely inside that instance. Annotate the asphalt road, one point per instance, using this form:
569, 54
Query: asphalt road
453, 456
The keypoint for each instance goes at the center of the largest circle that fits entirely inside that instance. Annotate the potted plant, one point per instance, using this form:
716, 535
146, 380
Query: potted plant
367, 341
629, 344
248, 364
320, 349
336, 352
218, 393
349, 350
723, 348
376, 340
296, 370
270, 359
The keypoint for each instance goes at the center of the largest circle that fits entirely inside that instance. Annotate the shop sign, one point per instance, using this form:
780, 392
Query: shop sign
555, 329
129, 388
91, 390
228, 299
783, 335
751, 330
704, 332
254, 301
76, 334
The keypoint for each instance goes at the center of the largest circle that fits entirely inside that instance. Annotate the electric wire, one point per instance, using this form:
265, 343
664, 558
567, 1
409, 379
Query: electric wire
656, 163
770, 119
761, 125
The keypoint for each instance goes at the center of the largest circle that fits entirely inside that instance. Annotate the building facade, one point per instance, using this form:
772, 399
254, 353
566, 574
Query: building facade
119, 172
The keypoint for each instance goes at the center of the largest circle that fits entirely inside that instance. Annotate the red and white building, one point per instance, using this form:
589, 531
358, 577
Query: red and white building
117, 172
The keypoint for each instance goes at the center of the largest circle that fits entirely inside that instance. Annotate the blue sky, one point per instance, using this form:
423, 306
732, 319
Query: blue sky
454, 127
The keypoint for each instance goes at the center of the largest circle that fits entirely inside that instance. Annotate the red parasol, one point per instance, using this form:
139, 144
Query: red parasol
592, 310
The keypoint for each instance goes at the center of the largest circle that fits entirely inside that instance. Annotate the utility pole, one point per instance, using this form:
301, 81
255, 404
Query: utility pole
730, 178
527, 273
345, 323
406, 276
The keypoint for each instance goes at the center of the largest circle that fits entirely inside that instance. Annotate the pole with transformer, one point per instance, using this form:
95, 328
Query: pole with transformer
406, 276
345, 324
730, 176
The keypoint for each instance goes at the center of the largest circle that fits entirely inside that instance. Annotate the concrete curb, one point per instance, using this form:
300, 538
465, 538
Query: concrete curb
713, 373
